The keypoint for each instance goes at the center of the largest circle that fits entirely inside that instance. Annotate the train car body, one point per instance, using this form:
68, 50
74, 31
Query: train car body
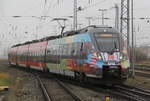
13, 56
36, 55
68, 54
94, 52
22, 55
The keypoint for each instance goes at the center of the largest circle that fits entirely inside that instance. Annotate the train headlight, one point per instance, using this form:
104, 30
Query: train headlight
121, 57
99, 57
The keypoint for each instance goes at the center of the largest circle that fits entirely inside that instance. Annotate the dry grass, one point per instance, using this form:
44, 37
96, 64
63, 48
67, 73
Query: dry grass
5, 79
144, 63
4, 75
3, 60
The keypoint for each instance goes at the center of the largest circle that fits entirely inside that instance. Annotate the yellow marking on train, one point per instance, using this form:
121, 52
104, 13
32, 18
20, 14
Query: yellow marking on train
104, 35
70, 39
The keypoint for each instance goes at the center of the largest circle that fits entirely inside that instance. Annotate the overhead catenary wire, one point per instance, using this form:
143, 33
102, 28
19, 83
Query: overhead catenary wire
34, 4
95, 4
91, 5
86, 7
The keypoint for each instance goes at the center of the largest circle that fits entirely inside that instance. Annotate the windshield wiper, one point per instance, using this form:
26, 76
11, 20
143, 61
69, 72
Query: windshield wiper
114, 49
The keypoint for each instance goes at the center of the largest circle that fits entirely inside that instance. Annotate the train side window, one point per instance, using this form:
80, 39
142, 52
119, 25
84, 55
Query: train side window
81, 50
30, 53
63, 50
69, 49
76, 49
48, 51
57, 50
85, 49
72, 50
66, 49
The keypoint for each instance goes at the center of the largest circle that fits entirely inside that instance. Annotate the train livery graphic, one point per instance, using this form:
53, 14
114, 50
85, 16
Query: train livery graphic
92, 52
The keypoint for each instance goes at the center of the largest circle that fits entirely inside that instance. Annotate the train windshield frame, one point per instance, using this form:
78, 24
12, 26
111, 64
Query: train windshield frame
108, 43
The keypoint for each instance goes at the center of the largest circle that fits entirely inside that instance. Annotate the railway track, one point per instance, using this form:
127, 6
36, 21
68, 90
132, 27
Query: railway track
142, 68
123, 92
44, 90
55, 90
131, 93
142, 74
128, 93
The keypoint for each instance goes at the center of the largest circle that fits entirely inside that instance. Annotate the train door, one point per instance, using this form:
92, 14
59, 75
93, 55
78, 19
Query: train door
80, 58
27, 58
80, 75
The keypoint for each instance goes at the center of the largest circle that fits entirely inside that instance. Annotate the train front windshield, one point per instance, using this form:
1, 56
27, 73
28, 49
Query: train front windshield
108, 44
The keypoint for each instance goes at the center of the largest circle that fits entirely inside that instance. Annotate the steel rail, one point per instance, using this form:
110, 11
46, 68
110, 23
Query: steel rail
109, 90
141, 74
74, 96
63, 86
125, 95
133, 90
116, 92
130, 95
142, 67
44, 90
137, 93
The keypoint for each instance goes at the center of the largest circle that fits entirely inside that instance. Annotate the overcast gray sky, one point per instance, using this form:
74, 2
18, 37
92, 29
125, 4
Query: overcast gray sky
16, 30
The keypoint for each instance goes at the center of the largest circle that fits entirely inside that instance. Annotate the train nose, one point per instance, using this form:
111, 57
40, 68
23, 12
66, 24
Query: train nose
111, 71
125, 73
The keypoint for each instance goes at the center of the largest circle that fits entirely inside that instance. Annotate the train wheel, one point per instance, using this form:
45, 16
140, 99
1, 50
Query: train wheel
76, 75
85, 79
28, 68
9, 64
45, 70
81, 77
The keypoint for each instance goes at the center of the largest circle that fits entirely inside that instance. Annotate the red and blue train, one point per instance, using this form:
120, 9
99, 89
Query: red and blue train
92, 52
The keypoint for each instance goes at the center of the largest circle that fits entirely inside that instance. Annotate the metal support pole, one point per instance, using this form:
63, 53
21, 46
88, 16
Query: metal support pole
117, 17
125, 21
102, 10
102, 17
75, 23
89, 1
128, 25
133, 47
89, 20
121, 21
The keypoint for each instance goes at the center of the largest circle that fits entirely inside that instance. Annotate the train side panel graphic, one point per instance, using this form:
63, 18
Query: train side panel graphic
97, 52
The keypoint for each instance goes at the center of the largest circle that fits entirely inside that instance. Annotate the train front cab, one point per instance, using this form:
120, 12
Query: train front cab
115, 72
112, 53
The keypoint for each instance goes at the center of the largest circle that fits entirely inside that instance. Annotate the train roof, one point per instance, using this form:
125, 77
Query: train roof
88, 29
98, 29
